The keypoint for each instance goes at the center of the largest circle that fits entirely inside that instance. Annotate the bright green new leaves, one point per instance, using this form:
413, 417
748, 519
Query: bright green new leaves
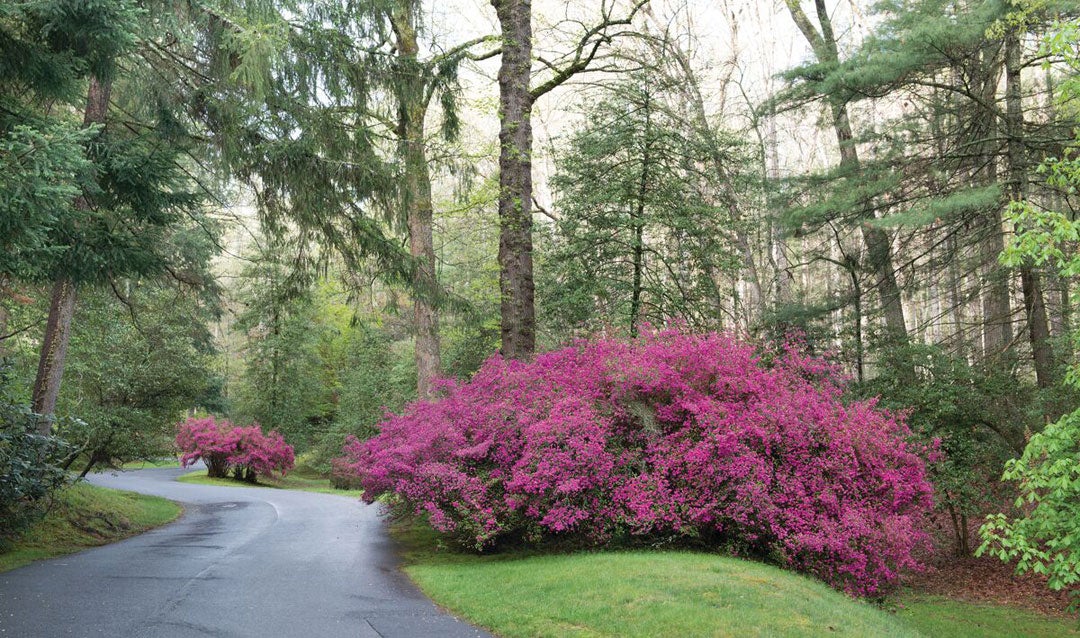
1044, 534
134, 367
1045, 538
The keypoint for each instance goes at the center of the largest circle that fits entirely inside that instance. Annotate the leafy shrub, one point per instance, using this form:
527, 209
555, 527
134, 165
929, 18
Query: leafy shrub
1044, 535
29, 464
971, 411
668, 436
247, 451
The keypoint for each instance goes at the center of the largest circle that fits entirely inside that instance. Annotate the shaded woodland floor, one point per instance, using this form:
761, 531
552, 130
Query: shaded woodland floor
988, 580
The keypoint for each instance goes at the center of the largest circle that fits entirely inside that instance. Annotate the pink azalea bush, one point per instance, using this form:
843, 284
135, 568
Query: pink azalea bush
247, 451
669, 436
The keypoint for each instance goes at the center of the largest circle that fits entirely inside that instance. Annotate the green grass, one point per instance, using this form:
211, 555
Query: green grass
669, 593
639, 594
939, 616
85, 515
290, 482
142, 465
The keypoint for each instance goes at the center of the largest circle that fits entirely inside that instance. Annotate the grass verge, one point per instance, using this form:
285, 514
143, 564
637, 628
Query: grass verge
85, 515
290, 482
637, 593
665, 593
940, 616
142, 465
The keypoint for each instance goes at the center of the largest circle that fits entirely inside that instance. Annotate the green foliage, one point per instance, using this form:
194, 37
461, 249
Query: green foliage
134, 366
307, 105
29, 464
284, 385
1043, 534
42, 166
379, 375
971, 411
130, 174
637, 238
1044, 537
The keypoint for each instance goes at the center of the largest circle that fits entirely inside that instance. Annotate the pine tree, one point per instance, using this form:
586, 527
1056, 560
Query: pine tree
347, 92
637, 238
127, 187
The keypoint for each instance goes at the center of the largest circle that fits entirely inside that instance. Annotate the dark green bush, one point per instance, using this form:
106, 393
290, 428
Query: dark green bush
30, 468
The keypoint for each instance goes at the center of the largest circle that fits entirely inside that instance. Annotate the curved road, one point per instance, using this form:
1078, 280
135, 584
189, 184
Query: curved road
241, 562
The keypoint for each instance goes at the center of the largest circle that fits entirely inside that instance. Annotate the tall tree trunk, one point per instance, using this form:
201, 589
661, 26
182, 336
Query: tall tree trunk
515, 180
996, 311
54, 351
1034, 305
3, 319
1038, 333
54, 345
419, 214
638, 221
778, 243
877, 242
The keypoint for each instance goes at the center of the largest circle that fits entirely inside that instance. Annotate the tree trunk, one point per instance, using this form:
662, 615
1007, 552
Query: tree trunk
1034, 305
53, 352
778, 243
996, 323
3, 321
515, 180
996, 311
62, 303
416, 196
1038, 333
638, 221
877, 242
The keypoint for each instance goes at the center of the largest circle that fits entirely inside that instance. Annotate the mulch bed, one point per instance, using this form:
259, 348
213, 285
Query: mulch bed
988, 580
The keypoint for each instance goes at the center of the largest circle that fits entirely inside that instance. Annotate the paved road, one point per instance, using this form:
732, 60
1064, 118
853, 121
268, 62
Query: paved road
240, 562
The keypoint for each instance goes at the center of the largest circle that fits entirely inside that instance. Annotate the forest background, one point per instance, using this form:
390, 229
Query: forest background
304, 213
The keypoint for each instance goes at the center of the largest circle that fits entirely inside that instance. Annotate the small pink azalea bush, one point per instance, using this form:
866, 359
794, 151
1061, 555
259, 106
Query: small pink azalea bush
246, 451
664, 437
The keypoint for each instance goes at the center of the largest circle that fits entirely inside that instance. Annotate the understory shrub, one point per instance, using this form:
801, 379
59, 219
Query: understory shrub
224, 447
30, 464
1043, 533
671, 435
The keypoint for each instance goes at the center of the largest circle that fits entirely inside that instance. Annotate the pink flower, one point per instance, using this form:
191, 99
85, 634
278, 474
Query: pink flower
670, 434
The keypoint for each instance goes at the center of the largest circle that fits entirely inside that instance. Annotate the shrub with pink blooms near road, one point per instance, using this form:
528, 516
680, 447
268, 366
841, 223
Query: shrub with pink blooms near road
672, 438
245, 451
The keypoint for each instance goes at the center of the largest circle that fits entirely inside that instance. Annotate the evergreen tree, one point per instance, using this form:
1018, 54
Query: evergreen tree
128, 186
637, 238
335, 139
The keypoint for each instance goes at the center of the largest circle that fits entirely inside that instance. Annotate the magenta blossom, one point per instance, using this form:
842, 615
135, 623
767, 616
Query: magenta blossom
669, 436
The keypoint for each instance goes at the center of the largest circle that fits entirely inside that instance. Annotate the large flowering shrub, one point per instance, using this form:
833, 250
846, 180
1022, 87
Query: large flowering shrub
667, 436
247, 451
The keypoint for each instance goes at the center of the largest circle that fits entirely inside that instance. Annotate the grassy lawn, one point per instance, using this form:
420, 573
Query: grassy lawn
142, 465
680, 594
939, 616
637, 594
290, 482
85, 515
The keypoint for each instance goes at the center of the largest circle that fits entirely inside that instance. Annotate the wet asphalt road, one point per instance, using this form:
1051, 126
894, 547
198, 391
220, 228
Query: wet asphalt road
241, 562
